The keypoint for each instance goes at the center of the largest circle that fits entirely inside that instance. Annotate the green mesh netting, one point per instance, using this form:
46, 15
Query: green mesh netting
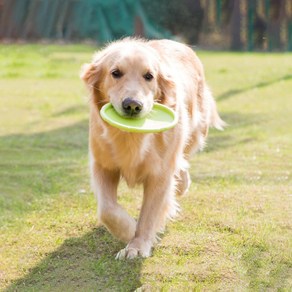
102, 20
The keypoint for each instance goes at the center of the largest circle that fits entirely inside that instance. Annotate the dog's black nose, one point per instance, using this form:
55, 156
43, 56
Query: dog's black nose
131, 106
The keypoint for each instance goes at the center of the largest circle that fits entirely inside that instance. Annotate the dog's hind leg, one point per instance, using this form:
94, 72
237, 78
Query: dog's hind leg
183, 182
119, 223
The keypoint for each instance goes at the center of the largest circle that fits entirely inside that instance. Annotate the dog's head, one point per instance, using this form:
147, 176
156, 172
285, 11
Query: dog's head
128, 74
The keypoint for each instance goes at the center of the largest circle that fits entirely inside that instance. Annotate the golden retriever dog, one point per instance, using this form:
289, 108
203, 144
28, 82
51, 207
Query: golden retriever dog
132, 74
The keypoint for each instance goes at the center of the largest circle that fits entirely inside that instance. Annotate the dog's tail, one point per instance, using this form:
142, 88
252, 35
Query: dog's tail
214, 118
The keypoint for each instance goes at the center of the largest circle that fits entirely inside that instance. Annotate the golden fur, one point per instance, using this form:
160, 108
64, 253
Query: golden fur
158, 161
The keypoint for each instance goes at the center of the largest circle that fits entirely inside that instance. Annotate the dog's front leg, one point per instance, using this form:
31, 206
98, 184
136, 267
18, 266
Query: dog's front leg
110, 213
158, 204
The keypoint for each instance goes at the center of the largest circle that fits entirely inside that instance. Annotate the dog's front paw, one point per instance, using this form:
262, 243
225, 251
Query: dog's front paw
127, 253
134, 250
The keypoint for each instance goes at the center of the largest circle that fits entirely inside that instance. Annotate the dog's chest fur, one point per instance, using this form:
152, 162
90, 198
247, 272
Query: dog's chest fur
132, 155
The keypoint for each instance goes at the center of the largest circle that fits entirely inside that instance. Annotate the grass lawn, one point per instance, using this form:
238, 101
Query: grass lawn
234, 231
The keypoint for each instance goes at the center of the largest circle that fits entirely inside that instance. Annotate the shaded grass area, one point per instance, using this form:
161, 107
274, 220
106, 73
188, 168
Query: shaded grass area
261, 84
34, 164
234, 231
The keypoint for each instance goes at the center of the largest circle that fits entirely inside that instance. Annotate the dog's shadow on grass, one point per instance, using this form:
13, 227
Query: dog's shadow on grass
84, 263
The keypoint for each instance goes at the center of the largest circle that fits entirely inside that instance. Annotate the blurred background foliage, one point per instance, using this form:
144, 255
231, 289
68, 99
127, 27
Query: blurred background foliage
264, 25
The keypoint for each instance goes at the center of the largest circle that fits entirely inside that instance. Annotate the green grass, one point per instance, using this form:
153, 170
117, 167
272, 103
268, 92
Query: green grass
234, 231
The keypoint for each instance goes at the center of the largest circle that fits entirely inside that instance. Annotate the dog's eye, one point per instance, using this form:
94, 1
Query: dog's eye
117, 74
148, 76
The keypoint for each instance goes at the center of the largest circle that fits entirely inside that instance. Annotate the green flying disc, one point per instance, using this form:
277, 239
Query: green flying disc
161, 118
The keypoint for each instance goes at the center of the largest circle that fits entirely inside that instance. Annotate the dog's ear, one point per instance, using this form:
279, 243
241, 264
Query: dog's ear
92, 73
89, 74
167, 89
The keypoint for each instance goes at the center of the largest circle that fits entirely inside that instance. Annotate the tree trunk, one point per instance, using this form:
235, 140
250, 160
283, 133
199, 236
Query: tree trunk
236, 43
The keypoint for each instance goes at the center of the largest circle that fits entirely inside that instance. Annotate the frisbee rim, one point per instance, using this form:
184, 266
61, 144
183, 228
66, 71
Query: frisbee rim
130, 128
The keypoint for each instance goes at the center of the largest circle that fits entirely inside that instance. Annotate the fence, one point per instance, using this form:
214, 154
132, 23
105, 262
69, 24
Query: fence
249, 24
215, 24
